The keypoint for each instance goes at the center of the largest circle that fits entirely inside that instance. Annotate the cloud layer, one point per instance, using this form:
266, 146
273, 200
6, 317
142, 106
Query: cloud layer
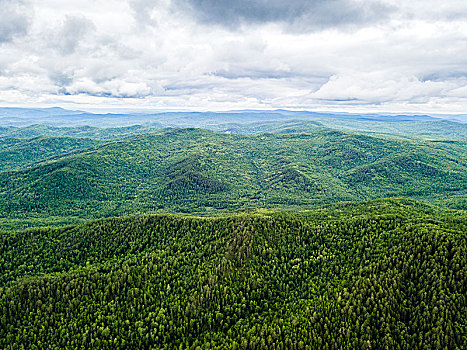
206, 54
295, 14
14, 19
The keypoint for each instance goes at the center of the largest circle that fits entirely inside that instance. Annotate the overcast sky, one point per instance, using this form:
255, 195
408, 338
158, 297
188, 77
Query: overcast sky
350, 55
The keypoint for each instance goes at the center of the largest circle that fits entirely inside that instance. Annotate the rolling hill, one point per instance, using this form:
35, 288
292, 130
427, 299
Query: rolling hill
327, 271
89, 132
19, 153
198, 171
20, 122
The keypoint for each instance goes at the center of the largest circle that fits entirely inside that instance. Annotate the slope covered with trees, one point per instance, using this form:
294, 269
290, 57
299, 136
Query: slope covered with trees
17, 153
91, 132
198, 171
381, 274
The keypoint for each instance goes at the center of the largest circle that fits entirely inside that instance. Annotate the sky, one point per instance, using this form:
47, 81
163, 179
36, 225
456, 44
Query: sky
336, 55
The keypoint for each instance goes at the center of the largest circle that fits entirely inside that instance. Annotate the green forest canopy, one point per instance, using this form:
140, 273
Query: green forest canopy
243, 273
198, 171
380, 274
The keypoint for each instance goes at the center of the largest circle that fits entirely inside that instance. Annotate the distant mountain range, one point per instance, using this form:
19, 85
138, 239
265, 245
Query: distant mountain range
240, 122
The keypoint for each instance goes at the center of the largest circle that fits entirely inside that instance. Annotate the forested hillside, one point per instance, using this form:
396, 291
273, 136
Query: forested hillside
429, 129
16, 153
383, 274
198, 171
37, 130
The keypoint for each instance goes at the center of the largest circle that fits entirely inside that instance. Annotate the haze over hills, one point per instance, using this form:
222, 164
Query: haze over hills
253, 121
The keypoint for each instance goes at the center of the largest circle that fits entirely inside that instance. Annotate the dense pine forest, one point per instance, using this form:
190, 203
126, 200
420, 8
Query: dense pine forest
382, 274
271, 235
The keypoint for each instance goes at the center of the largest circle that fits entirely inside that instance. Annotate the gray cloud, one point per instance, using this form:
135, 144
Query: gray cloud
60, 78
142, 10
298, 15
444, 75
14, 19
73, 31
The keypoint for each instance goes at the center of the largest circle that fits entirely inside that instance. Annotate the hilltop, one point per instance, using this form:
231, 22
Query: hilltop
198, 171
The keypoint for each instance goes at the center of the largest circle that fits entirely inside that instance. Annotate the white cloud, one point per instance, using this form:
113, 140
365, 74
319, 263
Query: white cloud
148, 53
375, 87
